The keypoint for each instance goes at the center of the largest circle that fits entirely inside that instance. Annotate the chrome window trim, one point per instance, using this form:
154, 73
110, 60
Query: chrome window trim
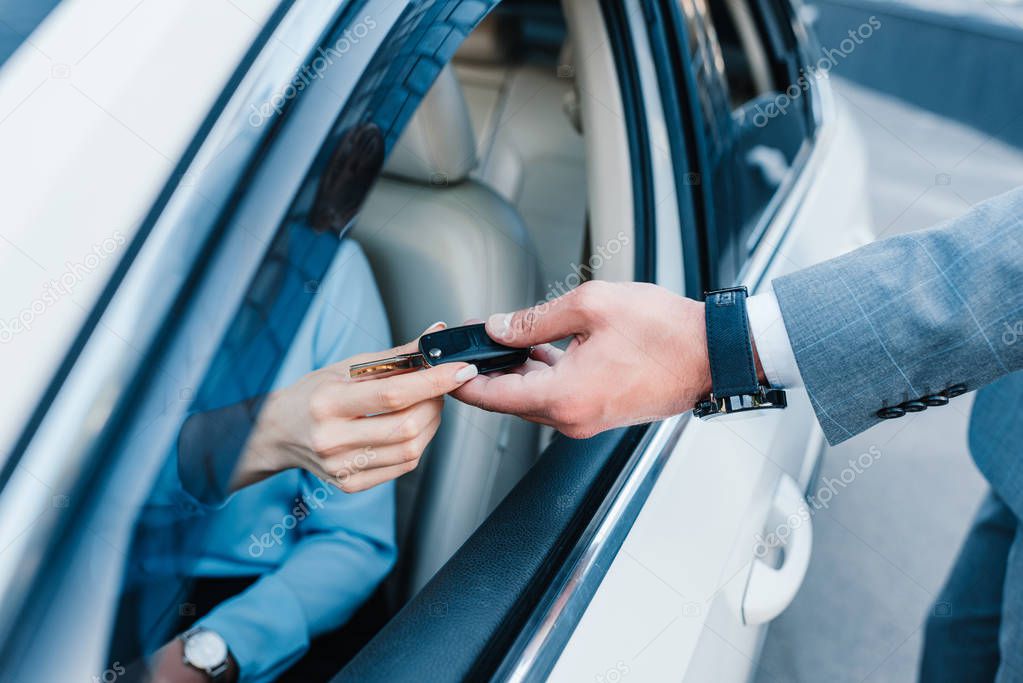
552, 623
65, 443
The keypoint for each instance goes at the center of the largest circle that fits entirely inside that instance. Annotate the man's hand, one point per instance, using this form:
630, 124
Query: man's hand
638, 353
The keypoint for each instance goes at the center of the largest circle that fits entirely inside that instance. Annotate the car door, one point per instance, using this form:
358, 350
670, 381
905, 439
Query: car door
724, 539
649, 523
552, 575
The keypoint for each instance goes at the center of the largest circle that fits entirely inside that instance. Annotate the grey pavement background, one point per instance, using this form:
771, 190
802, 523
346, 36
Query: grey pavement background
884, 544
959, 58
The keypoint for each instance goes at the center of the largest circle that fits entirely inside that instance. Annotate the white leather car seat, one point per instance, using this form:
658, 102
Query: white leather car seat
531, 151
445, 247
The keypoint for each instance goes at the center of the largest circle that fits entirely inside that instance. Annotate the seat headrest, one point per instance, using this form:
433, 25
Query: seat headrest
438, 146
487, 44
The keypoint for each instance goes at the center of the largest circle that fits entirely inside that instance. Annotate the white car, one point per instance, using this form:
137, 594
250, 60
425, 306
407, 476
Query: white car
154, 151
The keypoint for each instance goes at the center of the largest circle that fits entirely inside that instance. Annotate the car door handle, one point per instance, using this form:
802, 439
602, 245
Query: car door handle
770, 590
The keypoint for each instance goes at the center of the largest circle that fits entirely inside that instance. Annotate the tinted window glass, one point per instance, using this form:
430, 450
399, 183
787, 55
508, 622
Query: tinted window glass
262, 566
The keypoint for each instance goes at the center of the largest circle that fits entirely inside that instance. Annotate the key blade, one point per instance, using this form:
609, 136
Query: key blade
375, 368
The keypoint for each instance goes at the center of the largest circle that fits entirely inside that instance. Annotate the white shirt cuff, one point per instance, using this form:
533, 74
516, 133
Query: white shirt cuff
772, 340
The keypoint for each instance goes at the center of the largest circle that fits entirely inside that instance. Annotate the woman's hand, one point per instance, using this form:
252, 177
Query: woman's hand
354, 433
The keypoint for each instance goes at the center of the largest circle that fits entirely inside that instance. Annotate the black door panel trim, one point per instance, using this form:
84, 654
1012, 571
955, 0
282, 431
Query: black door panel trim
467, 617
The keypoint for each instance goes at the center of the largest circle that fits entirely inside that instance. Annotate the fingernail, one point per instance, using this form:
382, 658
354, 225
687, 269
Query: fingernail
439, 323
500, 324
466, 373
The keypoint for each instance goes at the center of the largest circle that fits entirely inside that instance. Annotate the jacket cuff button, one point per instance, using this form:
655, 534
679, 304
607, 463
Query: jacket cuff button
890, 412
935, 400
955, 390
915, 406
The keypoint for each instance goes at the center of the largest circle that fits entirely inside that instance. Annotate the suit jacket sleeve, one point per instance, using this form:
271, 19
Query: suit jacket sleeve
909, 316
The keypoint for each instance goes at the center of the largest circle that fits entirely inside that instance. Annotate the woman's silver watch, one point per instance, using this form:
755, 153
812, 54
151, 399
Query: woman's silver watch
206, 651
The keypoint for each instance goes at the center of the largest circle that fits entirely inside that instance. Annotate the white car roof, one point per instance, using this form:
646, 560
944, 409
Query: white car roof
97, 106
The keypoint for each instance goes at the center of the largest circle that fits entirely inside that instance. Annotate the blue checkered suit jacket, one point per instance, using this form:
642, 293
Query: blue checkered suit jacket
908, 321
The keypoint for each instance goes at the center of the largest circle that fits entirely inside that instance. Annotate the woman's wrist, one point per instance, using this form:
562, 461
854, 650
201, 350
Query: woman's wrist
267, 450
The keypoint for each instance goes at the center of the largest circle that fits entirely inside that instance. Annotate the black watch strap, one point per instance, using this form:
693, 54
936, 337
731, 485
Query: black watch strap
732, 368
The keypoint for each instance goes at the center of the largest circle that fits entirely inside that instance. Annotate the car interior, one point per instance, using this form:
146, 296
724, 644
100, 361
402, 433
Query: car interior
482, 206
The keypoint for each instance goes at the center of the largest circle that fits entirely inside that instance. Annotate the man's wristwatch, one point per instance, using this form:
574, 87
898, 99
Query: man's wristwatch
206, 651
733, 373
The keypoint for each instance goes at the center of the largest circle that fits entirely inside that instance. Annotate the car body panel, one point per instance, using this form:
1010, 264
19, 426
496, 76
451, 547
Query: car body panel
670, 605
119, 90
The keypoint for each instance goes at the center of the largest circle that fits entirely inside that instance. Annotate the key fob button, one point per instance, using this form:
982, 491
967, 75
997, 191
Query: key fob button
470, 344
457, 339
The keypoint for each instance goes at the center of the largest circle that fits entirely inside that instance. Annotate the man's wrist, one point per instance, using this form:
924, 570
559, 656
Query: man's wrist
736, 373
731, 349
700, 383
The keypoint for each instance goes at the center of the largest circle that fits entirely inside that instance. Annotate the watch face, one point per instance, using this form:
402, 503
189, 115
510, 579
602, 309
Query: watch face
205, 650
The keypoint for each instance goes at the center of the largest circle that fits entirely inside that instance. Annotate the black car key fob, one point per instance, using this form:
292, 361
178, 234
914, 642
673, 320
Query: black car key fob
466, 344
